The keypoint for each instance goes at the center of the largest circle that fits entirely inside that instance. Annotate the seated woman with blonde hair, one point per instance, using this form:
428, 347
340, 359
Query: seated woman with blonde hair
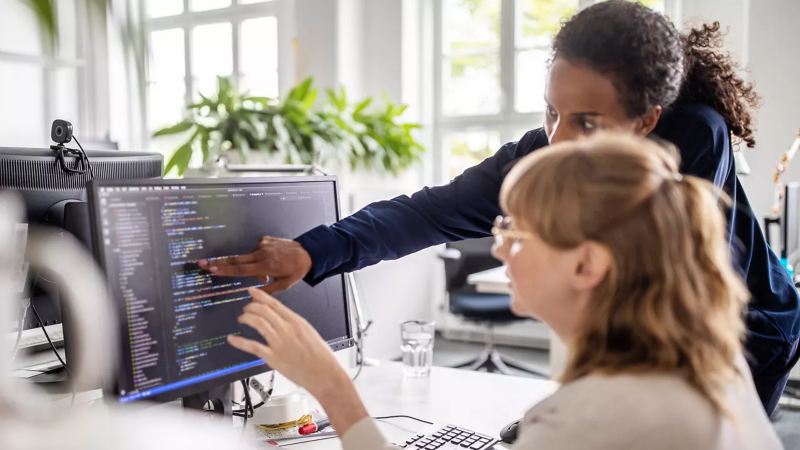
628, 262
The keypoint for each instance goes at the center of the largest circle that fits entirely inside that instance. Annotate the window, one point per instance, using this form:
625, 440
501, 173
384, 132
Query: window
194, 41
36, 87
490, 65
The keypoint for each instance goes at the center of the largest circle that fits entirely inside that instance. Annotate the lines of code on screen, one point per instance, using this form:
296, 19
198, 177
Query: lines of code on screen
175, 316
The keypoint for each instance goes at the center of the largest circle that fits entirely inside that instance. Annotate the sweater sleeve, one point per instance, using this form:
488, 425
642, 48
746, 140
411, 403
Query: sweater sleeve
386, 230
365, 435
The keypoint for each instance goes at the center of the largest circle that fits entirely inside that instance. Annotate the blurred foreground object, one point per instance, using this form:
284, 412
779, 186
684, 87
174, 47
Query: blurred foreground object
30, 419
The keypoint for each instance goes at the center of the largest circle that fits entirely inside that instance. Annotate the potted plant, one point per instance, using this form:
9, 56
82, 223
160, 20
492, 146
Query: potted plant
229, 126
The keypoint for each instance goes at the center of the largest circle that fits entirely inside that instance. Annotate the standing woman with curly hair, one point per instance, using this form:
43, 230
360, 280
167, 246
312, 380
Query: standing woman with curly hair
685, 90
616, 65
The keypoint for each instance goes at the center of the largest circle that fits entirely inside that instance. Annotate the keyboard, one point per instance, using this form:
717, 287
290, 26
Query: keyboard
450, 437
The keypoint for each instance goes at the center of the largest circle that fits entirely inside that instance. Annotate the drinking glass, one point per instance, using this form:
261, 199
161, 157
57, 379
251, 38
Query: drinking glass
417, 344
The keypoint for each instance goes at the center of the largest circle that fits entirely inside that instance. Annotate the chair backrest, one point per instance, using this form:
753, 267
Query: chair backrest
474, 255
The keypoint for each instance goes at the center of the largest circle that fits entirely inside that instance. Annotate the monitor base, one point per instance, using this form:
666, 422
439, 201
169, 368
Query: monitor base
220, 398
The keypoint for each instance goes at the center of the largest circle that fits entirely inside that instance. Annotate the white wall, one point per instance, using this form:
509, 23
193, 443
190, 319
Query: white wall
774, 49
764, 37
359, 44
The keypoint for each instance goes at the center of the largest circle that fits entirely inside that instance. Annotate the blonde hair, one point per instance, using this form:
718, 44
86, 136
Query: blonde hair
671, 300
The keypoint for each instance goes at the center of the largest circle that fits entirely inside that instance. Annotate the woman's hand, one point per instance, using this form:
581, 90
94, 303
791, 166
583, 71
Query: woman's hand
295, 349
283, 261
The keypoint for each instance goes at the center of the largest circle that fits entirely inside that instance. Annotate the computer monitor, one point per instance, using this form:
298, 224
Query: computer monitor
47, 189
791, 224
53, 196
173, 316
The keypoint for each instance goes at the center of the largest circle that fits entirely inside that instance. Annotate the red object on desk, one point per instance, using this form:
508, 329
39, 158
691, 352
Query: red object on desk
313, 427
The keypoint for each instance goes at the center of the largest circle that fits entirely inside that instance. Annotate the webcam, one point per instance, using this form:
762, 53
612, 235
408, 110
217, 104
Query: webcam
61, 131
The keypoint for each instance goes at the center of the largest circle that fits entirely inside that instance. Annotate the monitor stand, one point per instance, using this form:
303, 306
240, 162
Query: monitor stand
220, 398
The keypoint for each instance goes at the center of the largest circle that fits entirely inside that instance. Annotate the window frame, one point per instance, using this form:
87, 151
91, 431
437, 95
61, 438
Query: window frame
91, 78
508, 121
234, 14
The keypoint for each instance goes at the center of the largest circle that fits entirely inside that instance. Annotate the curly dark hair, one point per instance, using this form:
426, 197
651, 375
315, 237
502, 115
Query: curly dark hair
651, 63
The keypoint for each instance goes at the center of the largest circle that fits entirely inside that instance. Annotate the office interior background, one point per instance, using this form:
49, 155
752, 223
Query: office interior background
470, 71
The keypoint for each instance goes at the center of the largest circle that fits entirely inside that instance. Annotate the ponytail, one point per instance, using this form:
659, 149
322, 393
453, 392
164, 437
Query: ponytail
712, 79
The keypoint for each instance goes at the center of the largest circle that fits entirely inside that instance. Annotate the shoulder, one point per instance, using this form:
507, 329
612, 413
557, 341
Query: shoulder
694, 114
698, 113
614, 411
700, 134
648, 393
530, 141
510, 153
692, 122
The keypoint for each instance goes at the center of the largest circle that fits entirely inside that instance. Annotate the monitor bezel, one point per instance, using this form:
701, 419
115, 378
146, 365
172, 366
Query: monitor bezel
93, 189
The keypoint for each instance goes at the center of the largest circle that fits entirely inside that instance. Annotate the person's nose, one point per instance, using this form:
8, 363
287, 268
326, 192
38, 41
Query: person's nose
557, 134
560, 133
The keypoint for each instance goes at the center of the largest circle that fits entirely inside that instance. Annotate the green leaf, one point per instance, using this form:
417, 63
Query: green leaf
300, 92
264, 102
204, 138
310, 99
180, 159
175, 129
362, 106
47, 15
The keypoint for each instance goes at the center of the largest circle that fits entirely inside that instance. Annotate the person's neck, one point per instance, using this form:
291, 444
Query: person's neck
566, 323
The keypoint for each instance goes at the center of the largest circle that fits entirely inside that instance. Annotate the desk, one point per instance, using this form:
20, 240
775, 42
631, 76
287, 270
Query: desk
495, 281
483, 402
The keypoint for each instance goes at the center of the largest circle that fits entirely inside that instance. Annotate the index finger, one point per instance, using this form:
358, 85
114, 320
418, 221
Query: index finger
207, 263
237, 270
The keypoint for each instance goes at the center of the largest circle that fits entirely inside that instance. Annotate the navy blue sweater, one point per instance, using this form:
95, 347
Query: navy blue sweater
466, 207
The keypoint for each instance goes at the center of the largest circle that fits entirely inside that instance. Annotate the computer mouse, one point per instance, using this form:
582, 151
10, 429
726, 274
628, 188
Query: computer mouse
509, 432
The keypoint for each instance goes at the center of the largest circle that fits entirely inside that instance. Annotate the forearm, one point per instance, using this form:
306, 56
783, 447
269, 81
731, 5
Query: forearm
341, 402
383, 231
461, 209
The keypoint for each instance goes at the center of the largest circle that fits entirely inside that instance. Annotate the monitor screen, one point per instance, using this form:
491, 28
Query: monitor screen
175, 317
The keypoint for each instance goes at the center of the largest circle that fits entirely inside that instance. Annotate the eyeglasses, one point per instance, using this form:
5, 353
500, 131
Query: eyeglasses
503, 232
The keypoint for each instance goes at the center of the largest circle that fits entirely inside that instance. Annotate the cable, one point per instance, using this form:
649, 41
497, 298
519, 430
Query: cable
248, 405
53, 347
265, 396
359, 356
47, 336
403, 416
85, 158
361, 330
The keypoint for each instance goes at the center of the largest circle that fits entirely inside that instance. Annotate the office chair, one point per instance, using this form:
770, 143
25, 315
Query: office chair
460, 260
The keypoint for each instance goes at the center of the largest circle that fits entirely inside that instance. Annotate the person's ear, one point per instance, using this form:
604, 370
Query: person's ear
647, 122
592, 264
